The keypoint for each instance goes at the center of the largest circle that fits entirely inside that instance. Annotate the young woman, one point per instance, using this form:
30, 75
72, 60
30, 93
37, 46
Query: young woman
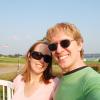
36, 82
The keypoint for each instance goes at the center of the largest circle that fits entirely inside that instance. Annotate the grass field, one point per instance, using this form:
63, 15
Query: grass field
10, 62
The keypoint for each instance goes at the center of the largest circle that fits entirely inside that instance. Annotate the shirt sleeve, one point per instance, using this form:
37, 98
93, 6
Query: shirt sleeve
92, 89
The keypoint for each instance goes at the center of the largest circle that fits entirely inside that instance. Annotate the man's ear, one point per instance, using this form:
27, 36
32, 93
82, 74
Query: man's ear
80, 46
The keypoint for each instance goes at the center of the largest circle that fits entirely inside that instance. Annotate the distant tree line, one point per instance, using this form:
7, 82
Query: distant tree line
96, 55
14, 55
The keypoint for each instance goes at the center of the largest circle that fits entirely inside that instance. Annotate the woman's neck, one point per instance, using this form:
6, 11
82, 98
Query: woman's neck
36, 78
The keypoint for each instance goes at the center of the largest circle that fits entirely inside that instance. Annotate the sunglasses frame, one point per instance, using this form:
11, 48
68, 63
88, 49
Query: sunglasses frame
63, 43
38, 56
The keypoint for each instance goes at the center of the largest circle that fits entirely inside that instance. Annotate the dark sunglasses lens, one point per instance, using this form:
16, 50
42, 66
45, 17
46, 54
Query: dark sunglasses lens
65, 43
52, 47
47, 58
36, 55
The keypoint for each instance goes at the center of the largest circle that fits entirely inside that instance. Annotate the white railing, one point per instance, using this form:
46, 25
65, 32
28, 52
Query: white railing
6, 89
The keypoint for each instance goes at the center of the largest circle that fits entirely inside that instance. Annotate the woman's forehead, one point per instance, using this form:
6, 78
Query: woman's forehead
42, 48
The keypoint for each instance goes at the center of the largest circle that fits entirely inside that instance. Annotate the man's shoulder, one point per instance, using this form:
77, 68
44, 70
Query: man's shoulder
91, 77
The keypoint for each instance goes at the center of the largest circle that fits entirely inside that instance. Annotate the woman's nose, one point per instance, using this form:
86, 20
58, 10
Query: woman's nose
42, 59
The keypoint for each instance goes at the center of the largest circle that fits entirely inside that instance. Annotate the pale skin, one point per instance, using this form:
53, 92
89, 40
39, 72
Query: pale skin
68, 58
37, 69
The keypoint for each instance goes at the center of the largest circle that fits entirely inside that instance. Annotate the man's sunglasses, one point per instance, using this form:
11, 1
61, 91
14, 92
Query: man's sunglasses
63, 43
38, 55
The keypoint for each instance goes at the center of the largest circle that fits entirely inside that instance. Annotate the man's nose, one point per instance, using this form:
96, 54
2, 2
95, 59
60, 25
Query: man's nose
59, 48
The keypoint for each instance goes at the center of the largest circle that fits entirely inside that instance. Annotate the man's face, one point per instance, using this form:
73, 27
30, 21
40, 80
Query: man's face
66, 57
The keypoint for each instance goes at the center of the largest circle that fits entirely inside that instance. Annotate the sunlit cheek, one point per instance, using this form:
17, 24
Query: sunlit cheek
45, 66
32, 63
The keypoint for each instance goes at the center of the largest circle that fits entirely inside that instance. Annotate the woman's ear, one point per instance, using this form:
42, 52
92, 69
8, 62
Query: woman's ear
29, 56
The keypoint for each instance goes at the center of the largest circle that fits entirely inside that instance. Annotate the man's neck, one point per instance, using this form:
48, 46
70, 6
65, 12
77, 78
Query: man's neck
74, 66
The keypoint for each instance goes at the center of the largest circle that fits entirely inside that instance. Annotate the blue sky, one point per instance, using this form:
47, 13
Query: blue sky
22, 22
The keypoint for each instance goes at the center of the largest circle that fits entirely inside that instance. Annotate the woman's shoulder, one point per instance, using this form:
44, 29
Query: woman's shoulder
18, 79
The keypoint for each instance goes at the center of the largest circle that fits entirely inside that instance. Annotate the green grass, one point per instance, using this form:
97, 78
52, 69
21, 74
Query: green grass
92, 62
12, 59
8, 76
10, 62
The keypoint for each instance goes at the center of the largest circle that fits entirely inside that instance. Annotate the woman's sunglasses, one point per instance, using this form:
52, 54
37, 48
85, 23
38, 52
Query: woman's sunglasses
38, 55
63, 43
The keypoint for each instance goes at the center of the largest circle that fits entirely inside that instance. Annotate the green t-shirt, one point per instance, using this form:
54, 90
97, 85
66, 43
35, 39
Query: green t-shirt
83, 84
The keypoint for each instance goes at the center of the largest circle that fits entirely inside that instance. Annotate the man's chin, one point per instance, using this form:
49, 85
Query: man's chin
62, 65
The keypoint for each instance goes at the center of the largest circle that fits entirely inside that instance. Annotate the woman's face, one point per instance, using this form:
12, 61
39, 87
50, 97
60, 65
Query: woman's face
39, 66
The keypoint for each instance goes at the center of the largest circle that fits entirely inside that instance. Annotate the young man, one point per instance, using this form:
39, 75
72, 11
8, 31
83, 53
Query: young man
79, 82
